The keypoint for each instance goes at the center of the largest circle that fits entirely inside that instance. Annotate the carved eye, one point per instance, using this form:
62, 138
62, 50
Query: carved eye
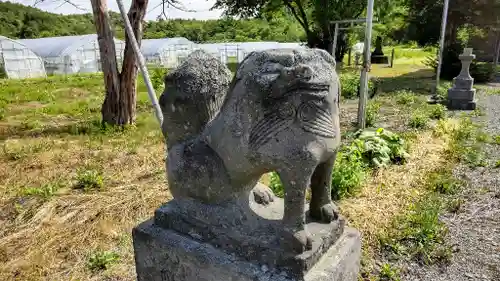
307, 111
286, 110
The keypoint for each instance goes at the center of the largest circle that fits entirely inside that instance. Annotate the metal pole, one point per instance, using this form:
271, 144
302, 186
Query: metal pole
363, 93
334, 47
142, 63
441, 47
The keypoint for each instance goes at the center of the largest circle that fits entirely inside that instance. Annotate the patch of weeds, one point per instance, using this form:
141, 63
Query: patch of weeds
276, 185
483, 137
372, 113
16, 153
477, 112
497, 164
474, 156
443, 182
102, 260
418, 120
496, 139
157, 77
348, 174
454, 205
389, 273
418, 234
89, 179
442, 90
405, 97
437, 111
46, 191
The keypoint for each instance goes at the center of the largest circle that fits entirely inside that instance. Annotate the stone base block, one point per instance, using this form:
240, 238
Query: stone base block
461, 94
375, 59
461, 105
165, 255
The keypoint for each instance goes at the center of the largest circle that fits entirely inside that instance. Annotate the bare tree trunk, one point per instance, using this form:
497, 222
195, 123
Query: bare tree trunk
119, 107
128, 76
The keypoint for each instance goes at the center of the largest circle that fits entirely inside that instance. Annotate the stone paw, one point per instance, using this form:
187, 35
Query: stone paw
295, 241
263, 195
326, 213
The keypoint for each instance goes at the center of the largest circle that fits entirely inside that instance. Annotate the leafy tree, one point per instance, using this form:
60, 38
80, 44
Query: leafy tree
314, 16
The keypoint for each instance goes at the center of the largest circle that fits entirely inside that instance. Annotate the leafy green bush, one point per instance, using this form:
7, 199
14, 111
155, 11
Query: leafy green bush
419, 120
437, 111
381, 147
157, 77
102, 260
372, 113
276, 185
405, 97
348, 174
349, 83
88, 179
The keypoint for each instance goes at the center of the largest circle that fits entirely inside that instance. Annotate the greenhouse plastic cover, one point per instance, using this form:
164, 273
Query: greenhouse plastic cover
59, 46
153, 46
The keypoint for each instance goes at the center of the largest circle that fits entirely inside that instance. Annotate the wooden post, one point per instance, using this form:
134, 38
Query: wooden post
366, 68
392, 58
334, 47
349, 56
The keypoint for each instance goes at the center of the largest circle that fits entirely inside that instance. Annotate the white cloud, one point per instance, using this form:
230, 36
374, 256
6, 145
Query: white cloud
202, 8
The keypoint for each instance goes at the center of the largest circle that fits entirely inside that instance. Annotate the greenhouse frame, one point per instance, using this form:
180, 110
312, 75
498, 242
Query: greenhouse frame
71, 54
18, 62
237, 51
166, 52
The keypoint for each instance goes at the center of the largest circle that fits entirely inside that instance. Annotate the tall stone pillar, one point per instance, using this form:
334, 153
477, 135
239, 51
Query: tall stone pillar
461, 95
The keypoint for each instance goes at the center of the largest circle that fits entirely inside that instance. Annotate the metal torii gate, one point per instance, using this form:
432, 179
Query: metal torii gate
363, 93
337, 28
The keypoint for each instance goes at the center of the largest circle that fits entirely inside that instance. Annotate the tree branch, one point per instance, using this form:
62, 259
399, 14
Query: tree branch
302, 21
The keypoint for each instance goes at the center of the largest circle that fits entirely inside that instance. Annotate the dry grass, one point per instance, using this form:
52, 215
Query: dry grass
46, 142
391, 191
52, 238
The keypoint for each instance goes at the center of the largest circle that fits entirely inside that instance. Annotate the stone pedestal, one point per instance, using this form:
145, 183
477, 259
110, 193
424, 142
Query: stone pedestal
462, 95
168, 247
377, 56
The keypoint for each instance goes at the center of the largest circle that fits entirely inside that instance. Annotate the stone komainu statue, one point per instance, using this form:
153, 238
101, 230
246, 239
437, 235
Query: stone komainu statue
279, 113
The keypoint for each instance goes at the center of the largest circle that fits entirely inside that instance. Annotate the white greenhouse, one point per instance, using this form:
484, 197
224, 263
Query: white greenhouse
166, 52
17, 61
237, 51
71, 54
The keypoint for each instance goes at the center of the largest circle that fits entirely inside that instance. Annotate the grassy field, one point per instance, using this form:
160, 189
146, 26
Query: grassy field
71, 191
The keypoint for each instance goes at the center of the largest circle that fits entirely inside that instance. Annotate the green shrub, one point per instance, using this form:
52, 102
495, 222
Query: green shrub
442, 181
348, 174
349, 83
372, 113
102, 260
88, 179
405, 97
157, 77
276, 185
381, 147
419, 120
437, 111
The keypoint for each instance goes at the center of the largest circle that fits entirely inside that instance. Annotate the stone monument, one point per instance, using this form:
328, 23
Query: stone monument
280, 113
461, 95
378, 56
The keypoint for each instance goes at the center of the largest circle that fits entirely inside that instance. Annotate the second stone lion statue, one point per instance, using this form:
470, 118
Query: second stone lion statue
279, 113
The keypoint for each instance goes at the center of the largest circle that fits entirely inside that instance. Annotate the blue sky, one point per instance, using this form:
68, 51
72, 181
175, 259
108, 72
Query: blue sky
201, 6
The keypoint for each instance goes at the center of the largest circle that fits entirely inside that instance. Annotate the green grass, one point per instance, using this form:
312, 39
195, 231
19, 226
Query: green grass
419, 234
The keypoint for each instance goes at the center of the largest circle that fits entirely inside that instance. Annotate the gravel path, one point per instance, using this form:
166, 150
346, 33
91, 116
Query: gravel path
474, 230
